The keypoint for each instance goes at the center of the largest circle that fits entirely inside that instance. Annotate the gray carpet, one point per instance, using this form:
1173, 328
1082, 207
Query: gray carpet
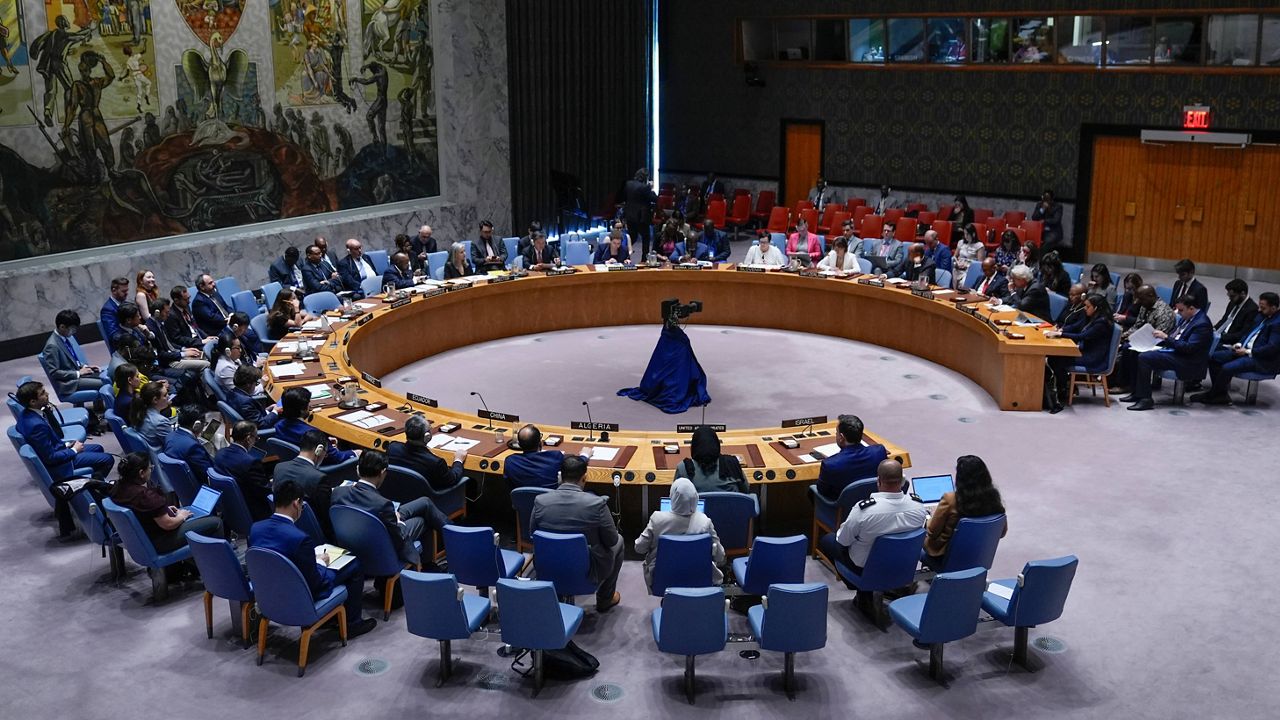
1169, 615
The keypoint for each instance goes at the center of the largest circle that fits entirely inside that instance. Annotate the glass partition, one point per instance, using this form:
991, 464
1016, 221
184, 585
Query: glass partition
1080, 39
1232, 40
906, 40
757, 40
947, 45
866, 40
1270, 51
1129, 41
1033, 40
829, 43
1178, 40
794, 39
990, 40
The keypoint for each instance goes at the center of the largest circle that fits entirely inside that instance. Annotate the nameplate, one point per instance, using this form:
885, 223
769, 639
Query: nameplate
346, 359
401, 302
687, 267
744, 268
810, 273
873, 283
346, 336
501, 279
621, 268
363, 320
691, 427
610, 427
371, 379
457, 286
926, 294
499, 416
422, 400
804, 421
562, 271
433, 292
345, 379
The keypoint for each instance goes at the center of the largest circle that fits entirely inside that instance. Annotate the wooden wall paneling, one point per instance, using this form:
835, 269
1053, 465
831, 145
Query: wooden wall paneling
803, 154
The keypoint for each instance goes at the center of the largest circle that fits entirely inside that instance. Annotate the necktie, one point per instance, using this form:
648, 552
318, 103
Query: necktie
217, 301
297, 276
1248, 342
884, 249
1231, 317
982, 289
71, 348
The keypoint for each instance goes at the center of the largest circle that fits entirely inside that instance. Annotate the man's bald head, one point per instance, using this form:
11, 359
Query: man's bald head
1145, 295
889, 476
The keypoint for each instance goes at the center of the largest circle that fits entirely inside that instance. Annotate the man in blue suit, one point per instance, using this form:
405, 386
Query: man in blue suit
281, 534
533, 467
854, 462
1185, 350
717, 241
1257, 352
399, 273
404, 524
287, 270
992, 282
318, 275
238, 326
241, 398
354, 268
182, 444
65, 362
210, 309
937, 251
294, 404
684, 253
107, 316
236, 461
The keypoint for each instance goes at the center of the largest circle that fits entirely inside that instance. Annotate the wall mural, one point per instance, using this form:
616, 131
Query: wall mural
351, 123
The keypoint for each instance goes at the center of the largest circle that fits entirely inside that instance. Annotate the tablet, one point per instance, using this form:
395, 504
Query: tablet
665, 505
931, 487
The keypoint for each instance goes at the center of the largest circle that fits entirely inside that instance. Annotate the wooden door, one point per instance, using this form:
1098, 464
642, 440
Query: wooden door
801, 159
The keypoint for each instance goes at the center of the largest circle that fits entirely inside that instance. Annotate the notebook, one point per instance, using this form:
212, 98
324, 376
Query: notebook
665, 505
205, 503
931, 487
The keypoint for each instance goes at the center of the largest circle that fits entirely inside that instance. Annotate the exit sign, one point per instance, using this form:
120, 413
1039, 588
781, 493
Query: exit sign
1195, 117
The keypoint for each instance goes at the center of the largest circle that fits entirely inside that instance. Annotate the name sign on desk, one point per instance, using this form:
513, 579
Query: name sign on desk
499, 416
371, 379
346, 336
804, 421
610, 427
364, 319
433, 292
869, 281
565, 270
810, 274
502, 278
926, 294
689, 428
401, 302
422, 400
682, 266
457, 286
747, 268
620, 268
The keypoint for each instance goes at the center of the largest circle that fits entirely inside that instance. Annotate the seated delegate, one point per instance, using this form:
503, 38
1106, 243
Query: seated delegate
682, 519
975, 496
533, 467
763, 253
294, 405
840, 258
854, 462
707, 468
166, 526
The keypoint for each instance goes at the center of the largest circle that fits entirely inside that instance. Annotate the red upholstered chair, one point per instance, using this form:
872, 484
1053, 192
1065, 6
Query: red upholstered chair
810, 217
716, 211
828, 217
871, 226
988, 238
801, 207
779, 217
741, 191
764, 205
1022, 234
860, 212
1014, 217
980, 215
893, 215
714, 197
997, 224
1034, 230
926, 217
668, 188
854, 203
741, 214
905, 230
837, 225
943, 228
917, 207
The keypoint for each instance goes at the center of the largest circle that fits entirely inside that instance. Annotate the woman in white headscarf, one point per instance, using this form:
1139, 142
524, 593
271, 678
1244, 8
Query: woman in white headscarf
682, 519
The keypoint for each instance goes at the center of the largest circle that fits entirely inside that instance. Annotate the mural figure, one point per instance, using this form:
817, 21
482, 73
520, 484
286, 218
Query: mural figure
376, 115
83, 108
50, 52
210, 77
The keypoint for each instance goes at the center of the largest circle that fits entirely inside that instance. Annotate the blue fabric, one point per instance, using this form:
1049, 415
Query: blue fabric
535, 469
674, 381
182, 445
292, 430
852, 463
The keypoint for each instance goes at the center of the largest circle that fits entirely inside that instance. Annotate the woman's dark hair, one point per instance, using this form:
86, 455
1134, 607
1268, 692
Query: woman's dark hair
976, 495
1101, 308
225, 341
964, 203
1104, 275
1132, 278
147, 397
971, 233
131, 468
1009, 237
123, 374
705, 448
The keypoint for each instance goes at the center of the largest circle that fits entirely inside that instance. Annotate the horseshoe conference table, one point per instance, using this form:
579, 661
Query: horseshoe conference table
387, 335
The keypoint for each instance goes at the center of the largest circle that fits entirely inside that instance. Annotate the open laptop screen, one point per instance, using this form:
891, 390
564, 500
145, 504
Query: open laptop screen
931, 487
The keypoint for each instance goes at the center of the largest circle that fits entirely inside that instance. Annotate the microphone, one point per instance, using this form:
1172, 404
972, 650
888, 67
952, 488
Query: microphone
486, 408
590, 422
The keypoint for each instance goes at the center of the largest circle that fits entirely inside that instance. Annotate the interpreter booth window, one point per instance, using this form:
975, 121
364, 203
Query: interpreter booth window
947, 44
1178, 40
1232, 40
795, 39
906, 40
866, 40
990, 40
829, 42
1129, 41
1033, 40
757, 40
1270, 51
1080, 39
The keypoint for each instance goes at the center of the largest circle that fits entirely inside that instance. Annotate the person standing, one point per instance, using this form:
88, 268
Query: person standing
640, 200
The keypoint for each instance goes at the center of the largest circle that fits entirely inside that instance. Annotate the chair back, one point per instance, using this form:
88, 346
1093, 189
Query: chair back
181, 479
227, 286
854, 492
565, 561
15, 437
279, 589
778, 217
973, 276
93, 520
974, 543
211, 384
318, 302
926, 217
576, 252
871, 226
893, 215
229, 415
1014, 217
684, 561
904, 229
220, 570
380, 259
1043, 592
854, 203
1074, 271
765, 202
1057, 303
117, 426
404, 485
39, 473
436, 262
473, 555
531, 615
132, 536
310, 524
363, 534
732, 514
942, 278
892, 561
1034, 230
775, 560
981, 215
14, 408
431, 605
245, 302
795, 618
741, 207
282, 449
269, 293
951, 608
864, 265
371, 285
235, 511
693, 621
522, 502
108, 397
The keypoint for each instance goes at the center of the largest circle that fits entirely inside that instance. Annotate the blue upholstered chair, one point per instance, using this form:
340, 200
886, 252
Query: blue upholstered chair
1251, 389
972, 545
1038, 595
77, 398
227, 286
522, 502
405, 485
223, 577
533, 619
310, 524
512, 244
942, 278
93, 521
283, 597
973, 276
792, 618
1093, 377
211, 384
691, 622
380, 259
476, 559
772, 560
1165, 293
1057, 303
117, 425
259, 324
864, 265
1074, 271
141, 549
371, 285
1180, 381
733, 514
564, 560
269, 293
245, 302
318, 302
436, 608
231, 504
365, 536
684, 561
67, 416
435, 264
891, 564
948, 612
282, 450
230, 417
828, 515
576, 253
181, 479
39, 473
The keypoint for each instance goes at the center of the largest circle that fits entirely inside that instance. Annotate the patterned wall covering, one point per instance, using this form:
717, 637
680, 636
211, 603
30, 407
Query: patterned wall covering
998, 133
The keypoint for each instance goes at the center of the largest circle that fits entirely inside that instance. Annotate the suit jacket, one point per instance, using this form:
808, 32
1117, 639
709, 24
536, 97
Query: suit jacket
166, 351
941, 255
208, 317
250, 475
250, 346
249, 409
281, 272
1072, 318
279, 533
897, 257
350, 273
1266, 346
1094, 340
110, 325
400, 280
418, 247
639, 199
1191, 346
719, 243
58, 459
438, 473
535, 469
570, 509
548, 256
63, 369
1196, 288
881, 204
925, 269
700, 251
998, 287
315, 278
852, 463
182, 445
478, 254
179, 331
451, 272
1239, 328
1032, 300
366, 497
317, 487
822, 198
604, 253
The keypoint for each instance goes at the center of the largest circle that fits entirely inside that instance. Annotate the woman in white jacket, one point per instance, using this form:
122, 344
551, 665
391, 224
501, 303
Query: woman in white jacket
682, 519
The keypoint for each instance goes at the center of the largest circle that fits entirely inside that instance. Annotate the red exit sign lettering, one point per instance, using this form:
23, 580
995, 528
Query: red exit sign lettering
1195, 117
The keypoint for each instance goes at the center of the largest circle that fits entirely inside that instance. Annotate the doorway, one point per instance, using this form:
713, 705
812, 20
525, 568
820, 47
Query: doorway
801, 159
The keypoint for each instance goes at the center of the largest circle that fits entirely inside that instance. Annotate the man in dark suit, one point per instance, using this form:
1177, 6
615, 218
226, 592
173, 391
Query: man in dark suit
280, 533
354, 268
242, 400
1185, 350
422, 244
992, 282
60, 458
287, 270
571, 509
639, 199
64, 361
187, 358
1240, 315
533, 467
304, 469
107, 316
414, 454
1257, 352
295, 403
182, 444
854, 462
717, 241
1026, 294
711, 186
1188, 284
210, 309
318, 275
404, 524
180, 325
526, 240
539, 255
245, 467
399, 272
690, 250
238, 326
919, 265
488, 253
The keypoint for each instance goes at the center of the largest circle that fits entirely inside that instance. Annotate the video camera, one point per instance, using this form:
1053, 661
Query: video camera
673, 311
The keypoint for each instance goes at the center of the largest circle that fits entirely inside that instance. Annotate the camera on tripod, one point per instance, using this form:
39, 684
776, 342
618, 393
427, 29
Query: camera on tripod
673, 311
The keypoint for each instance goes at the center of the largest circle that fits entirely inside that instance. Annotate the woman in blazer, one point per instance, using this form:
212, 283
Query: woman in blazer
840, 258
1094, 341
975, 496
802, 241
459, 264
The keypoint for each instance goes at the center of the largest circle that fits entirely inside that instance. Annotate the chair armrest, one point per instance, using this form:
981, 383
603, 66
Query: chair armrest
82, 472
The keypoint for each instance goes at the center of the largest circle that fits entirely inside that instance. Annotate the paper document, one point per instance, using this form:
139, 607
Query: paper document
285, 347
937, 293
807, 458
1003, 308
828, 450
451, 443
312, 325
319, 391
895, 281
338, 557
604, 454
287, 369
1144, 339
602, 268
762, 266
1000, 590
368, 306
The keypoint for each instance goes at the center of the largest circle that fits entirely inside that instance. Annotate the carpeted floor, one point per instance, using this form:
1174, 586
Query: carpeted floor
1168, 617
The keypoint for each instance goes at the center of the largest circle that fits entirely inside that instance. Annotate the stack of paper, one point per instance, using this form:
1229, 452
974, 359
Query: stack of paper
319, 391
287, 369
451, 443
828, 450
338, 557
1144, 339
604, 454
364, 419
312, 324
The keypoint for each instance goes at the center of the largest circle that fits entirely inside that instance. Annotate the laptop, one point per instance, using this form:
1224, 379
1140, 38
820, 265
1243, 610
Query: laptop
877, 261
801, 257
665, 505
931, 487
205, 503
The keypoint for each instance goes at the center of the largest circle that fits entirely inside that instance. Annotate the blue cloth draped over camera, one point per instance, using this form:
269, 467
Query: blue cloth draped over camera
674, 381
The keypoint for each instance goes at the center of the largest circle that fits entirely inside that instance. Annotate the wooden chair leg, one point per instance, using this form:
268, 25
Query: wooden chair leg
262, 638
1106, 392
1071, 388
208, 613
245, 609
304, 645
342, 624
386, 599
